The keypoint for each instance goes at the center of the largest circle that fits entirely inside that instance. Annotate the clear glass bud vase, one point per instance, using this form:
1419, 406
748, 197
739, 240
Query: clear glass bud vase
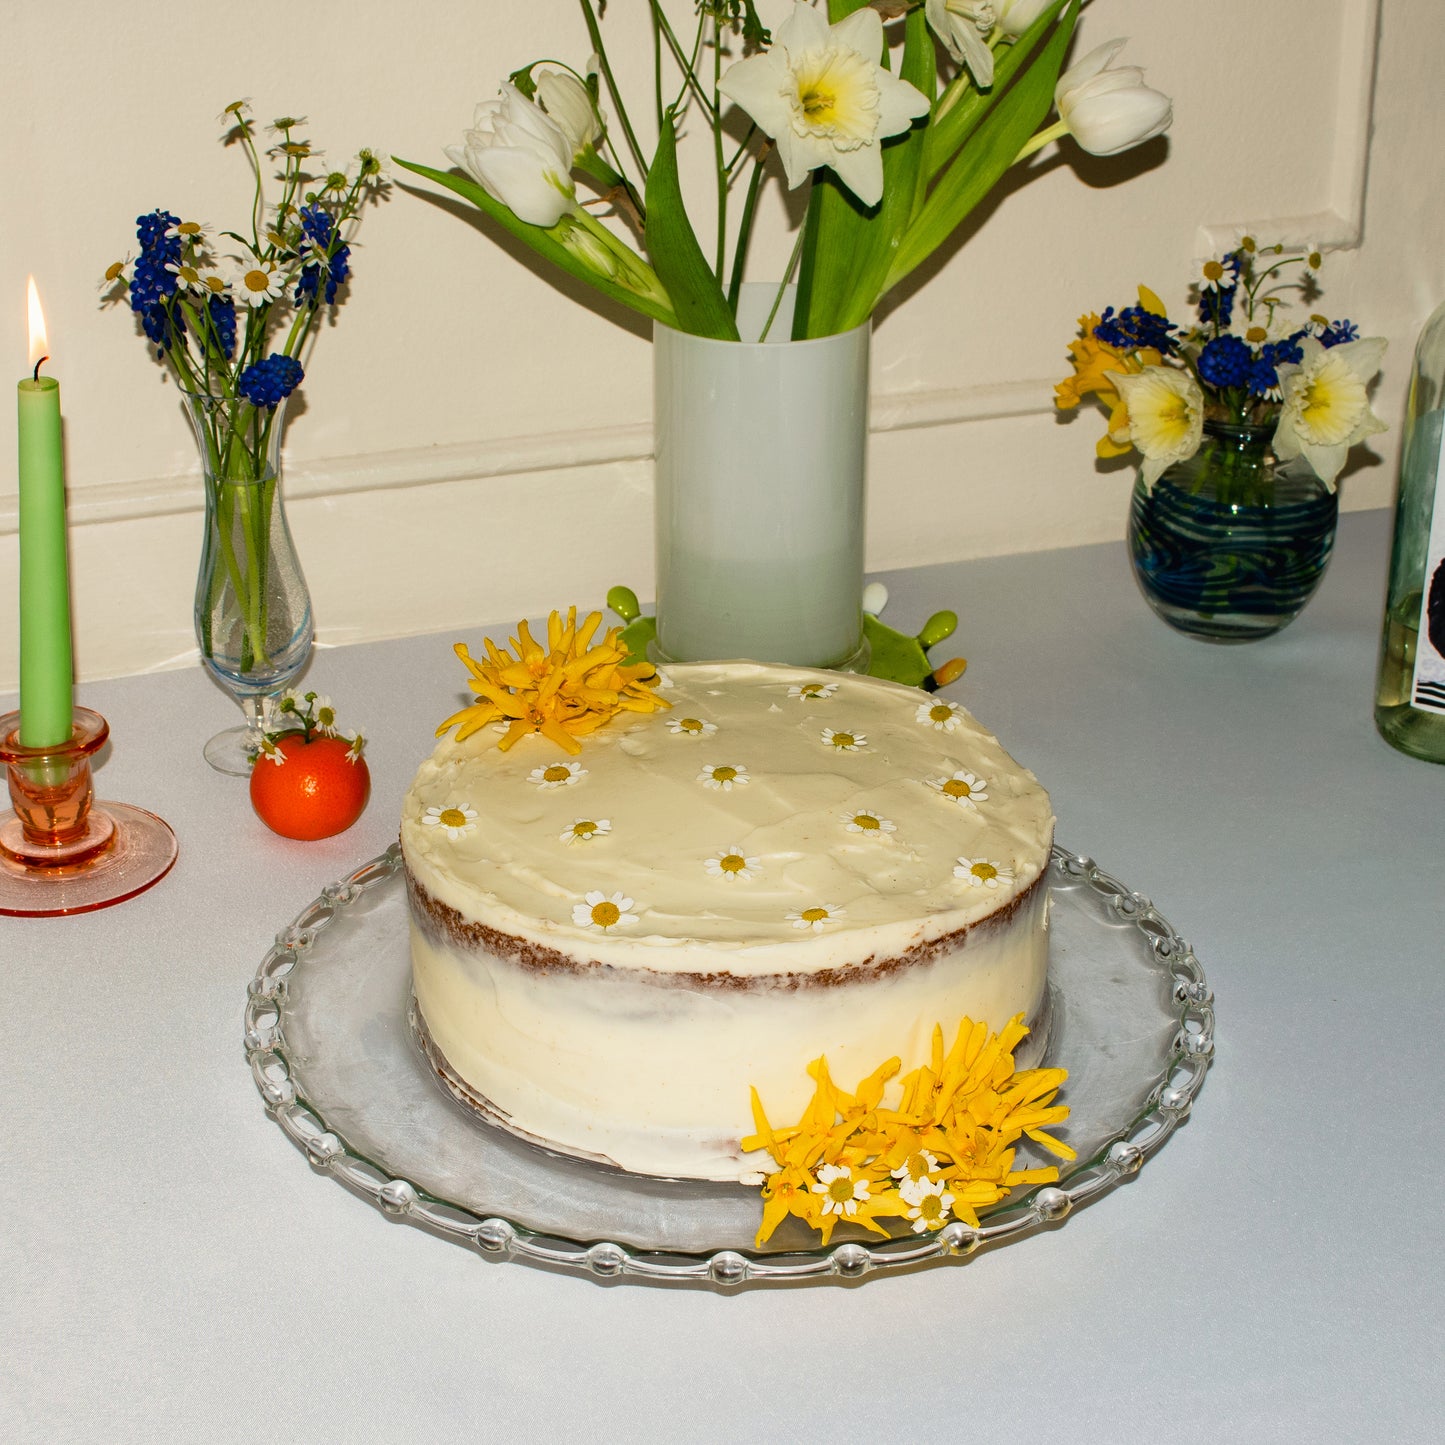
253, 612
1229, 545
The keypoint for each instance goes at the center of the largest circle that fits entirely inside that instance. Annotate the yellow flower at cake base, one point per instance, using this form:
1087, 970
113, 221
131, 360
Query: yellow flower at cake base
564, 691
940, 1142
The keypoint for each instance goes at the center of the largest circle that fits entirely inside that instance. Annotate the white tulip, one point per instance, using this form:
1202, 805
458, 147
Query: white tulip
567, 101
962, 26
1015, 16
821, 95
521, 157
1107, 111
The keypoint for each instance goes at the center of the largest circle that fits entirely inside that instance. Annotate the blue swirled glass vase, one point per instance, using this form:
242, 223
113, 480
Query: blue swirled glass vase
1229, 545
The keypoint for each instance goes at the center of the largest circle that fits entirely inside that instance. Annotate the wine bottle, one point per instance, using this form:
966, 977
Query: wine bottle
1410, 693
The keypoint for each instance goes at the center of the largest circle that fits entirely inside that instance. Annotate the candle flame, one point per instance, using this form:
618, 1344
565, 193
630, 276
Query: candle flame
39, 346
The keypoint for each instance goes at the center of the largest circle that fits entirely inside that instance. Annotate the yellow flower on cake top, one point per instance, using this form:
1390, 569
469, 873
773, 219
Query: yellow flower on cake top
564, 691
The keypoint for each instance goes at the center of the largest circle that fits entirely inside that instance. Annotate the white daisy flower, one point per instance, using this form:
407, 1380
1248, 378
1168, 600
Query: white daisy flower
916, 1166
723, 776
870, 823
941, 714
816, 917
325, 714
597, 910
213, 282
188, 277
256, 282
845, 742
812, 691
452, 820
842, 1190
189, 233
693, 727
981, 873
928, 1201
664, 679
732, 863
963, 787
583, 829
557, 775
357, 740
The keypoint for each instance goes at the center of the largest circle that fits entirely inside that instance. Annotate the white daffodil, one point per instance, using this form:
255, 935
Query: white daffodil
566, 100
255, 282
1015, 16
962, 25
521, 157
1108, 111
821, 95
1326, 406
1166, 416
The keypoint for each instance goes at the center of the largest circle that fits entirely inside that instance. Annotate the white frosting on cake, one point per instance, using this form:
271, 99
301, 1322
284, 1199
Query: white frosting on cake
637, 1042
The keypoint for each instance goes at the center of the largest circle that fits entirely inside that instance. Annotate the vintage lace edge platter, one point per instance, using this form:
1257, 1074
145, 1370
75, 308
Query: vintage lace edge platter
337, 1065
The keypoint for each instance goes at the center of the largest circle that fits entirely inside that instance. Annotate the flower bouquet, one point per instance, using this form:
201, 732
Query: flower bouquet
1243, 420
232, 332
1247, 362
897, 118
896, 152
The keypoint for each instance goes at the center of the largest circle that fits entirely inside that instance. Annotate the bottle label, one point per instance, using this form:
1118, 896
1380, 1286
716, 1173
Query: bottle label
1427, 689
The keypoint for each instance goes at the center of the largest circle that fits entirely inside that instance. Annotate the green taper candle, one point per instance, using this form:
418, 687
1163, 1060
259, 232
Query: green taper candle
46, 679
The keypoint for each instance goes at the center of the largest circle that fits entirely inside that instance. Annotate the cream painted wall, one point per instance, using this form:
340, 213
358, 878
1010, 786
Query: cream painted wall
474, 443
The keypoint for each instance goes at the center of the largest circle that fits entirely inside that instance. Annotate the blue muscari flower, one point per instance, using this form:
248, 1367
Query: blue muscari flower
1337, 332
1216, 306
1225, 361
1286, 351
222, 311
150, 231
1134, 327
268, 382
340, 271
337, 271
1262, 379
316, 223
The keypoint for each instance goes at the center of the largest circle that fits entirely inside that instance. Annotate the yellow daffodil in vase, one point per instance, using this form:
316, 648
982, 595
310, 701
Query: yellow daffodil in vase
898, 118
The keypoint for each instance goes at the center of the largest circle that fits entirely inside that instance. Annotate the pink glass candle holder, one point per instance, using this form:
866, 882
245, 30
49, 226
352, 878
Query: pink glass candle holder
60, 851
51, 792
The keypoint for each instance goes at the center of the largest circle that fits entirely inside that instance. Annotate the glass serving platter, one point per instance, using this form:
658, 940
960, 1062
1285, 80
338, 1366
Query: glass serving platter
334, 1057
